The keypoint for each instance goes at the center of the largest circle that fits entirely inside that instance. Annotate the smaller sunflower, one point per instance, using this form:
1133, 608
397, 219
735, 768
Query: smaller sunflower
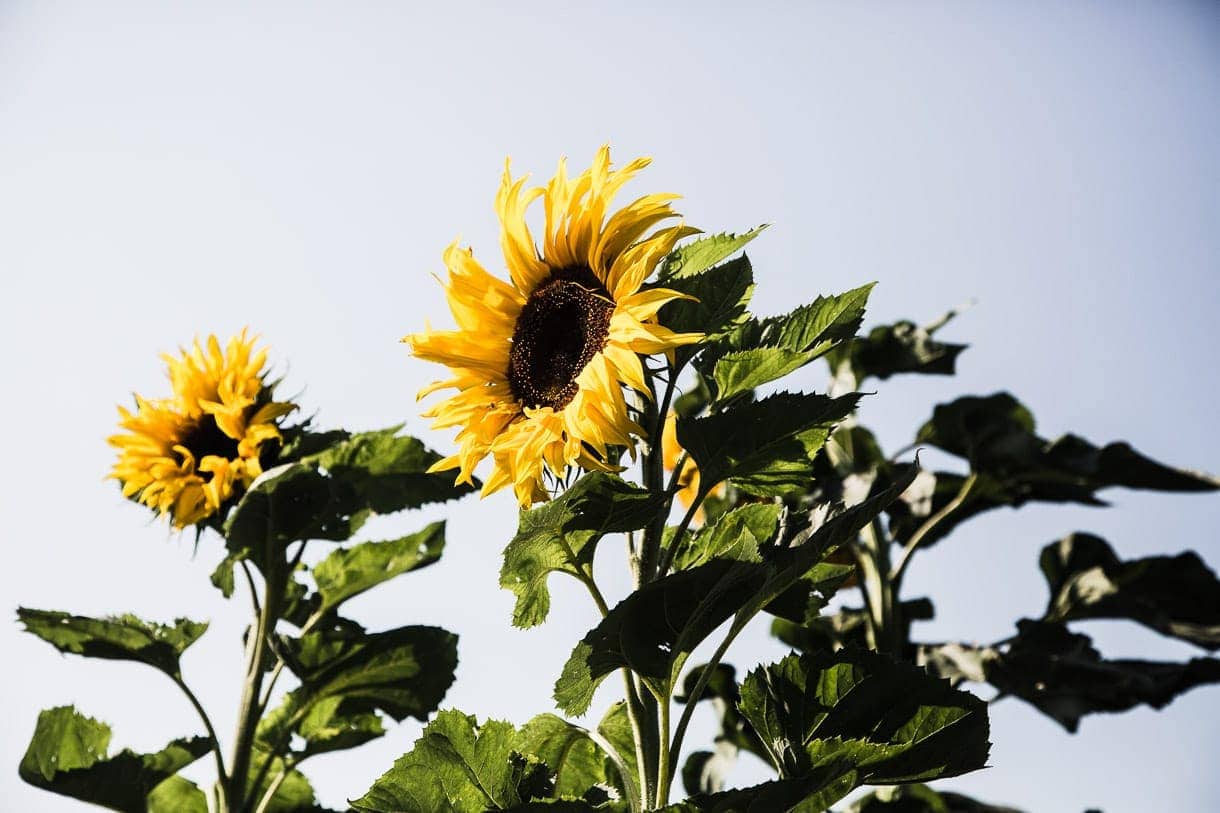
688, 477
186, 455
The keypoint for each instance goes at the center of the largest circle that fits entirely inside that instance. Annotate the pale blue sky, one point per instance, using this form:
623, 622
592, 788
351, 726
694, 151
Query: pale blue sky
169, 170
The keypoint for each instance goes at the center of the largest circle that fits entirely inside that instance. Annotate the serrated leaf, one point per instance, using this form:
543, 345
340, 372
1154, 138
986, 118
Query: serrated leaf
654, 629
736, 534
67, 755
347, 572
699, 255
562, 535
771, 348
123, 637
327, 727
285, 504
1174, 595
720, 296
885, 720
576, 761
458, 766
765, 447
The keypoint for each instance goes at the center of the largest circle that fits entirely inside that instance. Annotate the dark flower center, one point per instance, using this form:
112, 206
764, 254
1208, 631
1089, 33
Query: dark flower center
562, 326
205, 438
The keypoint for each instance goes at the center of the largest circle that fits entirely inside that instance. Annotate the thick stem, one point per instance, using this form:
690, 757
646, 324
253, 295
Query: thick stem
663, 763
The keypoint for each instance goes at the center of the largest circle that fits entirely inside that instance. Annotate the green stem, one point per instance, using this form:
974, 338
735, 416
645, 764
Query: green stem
663, 764
668, 555
654, 480
917, 538
221, 774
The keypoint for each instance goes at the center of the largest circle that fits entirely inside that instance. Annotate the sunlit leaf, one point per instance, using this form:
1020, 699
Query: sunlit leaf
347, 572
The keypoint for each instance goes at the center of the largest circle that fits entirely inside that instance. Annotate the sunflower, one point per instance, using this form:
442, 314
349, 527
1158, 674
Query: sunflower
540, 362
187, 454
688, 477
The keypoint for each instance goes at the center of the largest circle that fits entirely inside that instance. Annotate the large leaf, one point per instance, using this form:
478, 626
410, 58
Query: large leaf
575, 760
285, 504
347, 572
1063, 676
67, 755
922, 799
458, 766
654, 629
699, 255
123, 637
561, 536
885, 720
765, 447
887, 350
720, 296
1174, 595
768, 349
346, 677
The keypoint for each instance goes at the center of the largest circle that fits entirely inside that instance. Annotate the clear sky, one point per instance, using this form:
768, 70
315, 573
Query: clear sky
168, 170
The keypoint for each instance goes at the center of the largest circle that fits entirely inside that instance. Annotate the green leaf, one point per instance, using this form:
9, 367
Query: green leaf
922, 799
347, 572
615, 727
654, 629
887, 350
294, 794
458, 766
384, 472
699, 255
765, 447
67, 755
1174, 595
844, 628
721, 295
123, 637
401, 672
735, 534
577, 762
177, 795
1063, 676
773, 347
882, 720
561, 536
812, 793
283, 505
707, 771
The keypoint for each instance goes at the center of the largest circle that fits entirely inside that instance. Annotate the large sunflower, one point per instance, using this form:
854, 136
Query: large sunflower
540, 363
187, 454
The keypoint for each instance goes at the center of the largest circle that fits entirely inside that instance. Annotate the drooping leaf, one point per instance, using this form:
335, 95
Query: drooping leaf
403, 672
458, 766
575, 760
765, 447
721, 295
922, 799
67, 755
1063, 676
1174, 595
699, 255
766, 350
887, 350
654, 629
846, 628
123, 637
886, 720
562, 535
285, 504
347, 572
813, 792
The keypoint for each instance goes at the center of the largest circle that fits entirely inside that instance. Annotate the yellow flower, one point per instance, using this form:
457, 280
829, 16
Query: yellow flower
187, 454
688, 477
540, 363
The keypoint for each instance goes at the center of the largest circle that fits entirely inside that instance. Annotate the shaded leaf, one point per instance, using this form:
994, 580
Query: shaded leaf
458, 766
283, 505
887, 350
721, 295
699, 255
844, 628
347, 572
766, 447
889, 721
615, 727
1174, 595
922, 799
294, 794
123, 637
562, 535
67, 755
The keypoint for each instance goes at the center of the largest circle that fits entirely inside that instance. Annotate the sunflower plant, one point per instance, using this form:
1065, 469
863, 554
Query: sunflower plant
220, 456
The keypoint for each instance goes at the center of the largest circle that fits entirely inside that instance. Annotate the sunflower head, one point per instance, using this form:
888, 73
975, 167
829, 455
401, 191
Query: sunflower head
187, 454
540, 361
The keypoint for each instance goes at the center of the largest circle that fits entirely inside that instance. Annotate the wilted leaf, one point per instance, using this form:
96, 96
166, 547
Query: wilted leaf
124, 637
1174, 595
67, 755
887, 350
